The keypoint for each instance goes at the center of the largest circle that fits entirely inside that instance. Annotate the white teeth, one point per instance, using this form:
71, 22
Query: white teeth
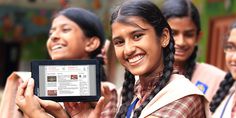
136, 58
233, 64
57, 47
179, 50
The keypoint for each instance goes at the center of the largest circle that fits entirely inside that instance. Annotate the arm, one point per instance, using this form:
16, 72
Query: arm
8, 107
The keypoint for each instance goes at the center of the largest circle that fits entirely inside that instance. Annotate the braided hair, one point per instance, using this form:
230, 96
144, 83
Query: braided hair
127, 94
184, 8
224, 88
190, 66
151, 14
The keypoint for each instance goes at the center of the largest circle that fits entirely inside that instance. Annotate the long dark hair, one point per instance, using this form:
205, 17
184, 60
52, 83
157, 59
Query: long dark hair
152, 15
224, 88
183, 8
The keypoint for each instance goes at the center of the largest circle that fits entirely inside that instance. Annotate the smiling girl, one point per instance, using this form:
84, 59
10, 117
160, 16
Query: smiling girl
184, 20
223, 103
75, 33
145, 47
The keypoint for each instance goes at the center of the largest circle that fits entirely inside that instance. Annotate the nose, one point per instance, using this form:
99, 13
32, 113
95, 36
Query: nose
232, 55
129, 49
54, 36
179, 40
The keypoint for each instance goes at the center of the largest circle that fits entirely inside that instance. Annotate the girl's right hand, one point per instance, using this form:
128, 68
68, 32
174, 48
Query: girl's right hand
33, 106
26, 100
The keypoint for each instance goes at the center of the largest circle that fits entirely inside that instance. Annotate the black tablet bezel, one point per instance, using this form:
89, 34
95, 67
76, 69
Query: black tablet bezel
35, 75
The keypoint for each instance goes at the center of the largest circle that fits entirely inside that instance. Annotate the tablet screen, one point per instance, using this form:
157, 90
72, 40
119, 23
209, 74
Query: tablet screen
60, 80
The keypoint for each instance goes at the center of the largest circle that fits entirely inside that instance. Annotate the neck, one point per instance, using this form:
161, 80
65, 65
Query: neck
179, 67
146, 85
147, 81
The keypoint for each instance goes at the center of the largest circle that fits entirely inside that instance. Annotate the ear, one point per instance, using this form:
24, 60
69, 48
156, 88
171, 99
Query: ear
92, 44
165, 37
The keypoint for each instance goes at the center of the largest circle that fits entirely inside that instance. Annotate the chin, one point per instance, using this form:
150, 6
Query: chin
179, 59
233, 72
57, 58
234, 76
137, 72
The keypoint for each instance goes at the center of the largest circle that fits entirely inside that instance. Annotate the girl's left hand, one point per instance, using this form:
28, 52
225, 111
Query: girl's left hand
85, 109
95, 109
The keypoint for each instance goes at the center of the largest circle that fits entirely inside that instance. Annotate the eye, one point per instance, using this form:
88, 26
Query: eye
118, 42
50, 33
137, 36
229, 47
174, 33
190, 34
65, 30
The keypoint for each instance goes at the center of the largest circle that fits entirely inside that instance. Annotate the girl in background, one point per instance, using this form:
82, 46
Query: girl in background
75, 33
223, 103
184, 20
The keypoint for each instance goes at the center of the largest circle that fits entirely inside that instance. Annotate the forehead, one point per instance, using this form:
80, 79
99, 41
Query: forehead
232, 35
60, 20
131, 21
185, 23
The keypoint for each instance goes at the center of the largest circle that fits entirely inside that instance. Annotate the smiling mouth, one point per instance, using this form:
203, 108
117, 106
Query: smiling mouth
180, 52
135, 59
56, 47
233, 65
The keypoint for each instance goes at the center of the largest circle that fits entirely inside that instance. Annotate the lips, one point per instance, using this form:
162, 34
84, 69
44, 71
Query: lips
57, 47
135, 59
179, 52
233, 66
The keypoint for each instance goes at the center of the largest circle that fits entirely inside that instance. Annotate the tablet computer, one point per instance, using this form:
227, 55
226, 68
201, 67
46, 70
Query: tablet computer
67, 80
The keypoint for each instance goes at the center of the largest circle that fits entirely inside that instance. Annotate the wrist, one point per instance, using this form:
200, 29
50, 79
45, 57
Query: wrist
63, 114
39, 113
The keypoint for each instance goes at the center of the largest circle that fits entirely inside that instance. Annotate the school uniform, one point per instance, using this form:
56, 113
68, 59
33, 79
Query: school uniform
207, 78
225, 108
178, 93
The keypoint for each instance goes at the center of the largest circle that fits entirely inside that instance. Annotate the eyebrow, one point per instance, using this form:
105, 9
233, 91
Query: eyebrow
230, 42
61, 25
188, 30
133, 32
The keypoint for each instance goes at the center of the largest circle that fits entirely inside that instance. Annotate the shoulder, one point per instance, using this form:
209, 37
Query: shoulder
181, 82
206, 72
209, 68
179, 87
188, 106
